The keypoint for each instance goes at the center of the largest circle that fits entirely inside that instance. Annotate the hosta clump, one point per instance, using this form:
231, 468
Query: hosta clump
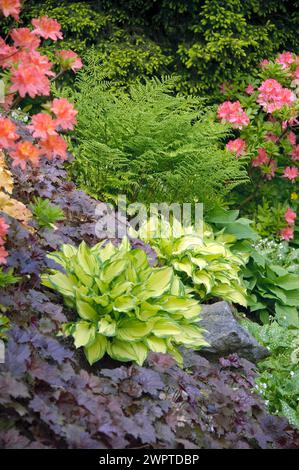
126, 308
205, 262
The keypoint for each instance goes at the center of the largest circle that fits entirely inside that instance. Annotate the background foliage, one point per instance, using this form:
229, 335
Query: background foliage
205, 42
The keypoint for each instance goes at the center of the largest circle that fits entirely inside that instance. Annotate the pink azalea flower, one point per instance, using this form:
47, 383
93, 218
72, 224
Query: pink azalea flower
27, 79
236, 146
285, 59
8, 134
11, 8
42, 125
250, 89
290, 216
40, 61
69, 60
264, 63
233, 113
292, 138
261, 159
268, 171
287, 233
47, 28
54, 146
3, 255
272, 137
291, 172
3, 228
65, 113
24, 38
25, 152
273, 96
295, 153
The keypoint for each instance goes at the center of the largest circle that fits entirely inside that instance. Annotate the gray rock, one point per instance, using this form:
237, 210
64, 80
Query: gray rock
225, 335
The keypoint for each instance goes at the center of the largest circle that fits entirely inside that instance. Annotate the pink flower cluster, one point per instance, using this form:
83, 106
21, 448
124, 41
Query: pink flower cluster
43, 127
3, 232
11, 8
268, 166
287, 233
30, 71
236, 146
273, 96
233, 113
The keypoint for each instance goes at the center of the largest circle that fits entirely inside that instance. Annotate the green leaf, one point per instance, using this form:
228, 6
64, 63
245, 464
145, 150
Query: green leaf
96, 350
124, 303
158, 282
84, 333
286, 316
85, 311
123, 351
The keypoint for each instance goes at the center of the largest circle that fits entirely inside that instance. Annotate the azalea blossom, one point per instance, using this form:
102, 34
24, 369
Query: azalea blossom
3, 255
271, 137
53, 146
236, 146
261, 159
24, 38
69, 60
287, 233
268, 171
292, 138
47, 28
272, 96
40, 61
264, 63
290, 216
65, 113
249, 89
27, 79
285, 59
295, 153
11, 8
42, 125
232, 112
3, 228
8, 134
25, 152
291, 172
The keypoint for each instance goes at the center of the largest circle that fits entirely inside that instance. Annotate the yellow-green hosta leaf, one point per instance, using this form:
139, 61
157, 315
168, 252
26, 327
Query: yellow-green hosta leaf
200, 277
155, 344
177, 287
96, 350
107, 326
157, 283
147, 310
165, 328
175, 353
64, 284
84, 333
132, 330
232, 294
112, 270
176, 304
105, 252
102, 300
124, 351
212, 250
188, 242
82, 276
85, 259
140, 259
86, 311
124, 303
69, 250
120, 289
191, 336
201, 263
183, 266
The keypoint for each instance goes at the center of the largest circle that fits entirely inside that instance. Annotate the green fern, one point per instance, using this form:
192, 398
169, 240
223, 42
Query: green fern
149, 144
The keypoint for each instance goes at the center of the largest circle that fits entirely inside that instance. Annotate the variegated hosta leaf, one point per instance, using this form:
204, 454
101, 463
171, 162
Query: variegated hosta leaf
125, 307
208, 264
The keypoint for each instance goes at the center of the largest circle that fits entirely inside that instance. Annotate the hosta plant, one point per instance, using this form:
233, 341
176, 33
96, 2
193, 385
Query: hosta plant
205, 263
125, 307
